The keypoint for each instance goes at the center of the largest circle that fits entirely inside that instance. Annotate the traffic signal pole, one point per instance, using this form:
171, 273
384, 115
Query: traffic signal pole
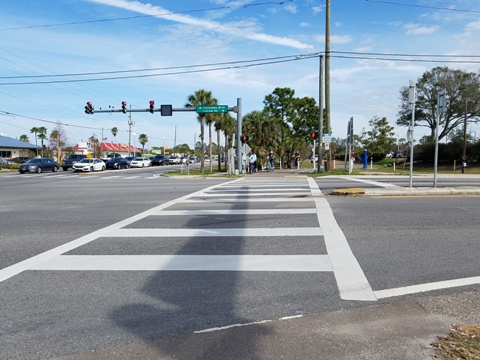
167, 110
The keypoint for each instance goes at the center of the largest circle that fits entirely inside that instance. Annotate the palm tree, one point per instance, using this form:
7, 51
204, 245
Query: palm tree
143, 138
114, 133
201, 97
35, 130
24, 138
42, 135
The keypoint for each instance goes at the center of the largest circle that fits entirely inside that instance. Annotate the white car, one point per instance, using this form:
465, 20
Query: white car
140, 162
91, 165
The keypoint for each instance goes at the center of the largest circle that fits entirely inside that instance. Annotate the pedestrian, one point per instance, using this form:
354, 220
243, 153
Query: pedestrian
271, 161
297, 159
253, 162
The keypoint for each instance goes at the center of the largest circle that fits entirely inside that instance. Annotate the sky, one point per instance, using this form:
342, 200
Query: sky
57, 55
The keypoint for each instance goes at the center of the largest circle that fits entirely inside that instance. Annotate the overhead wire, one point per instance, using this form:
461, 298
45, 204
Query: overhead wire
198, 68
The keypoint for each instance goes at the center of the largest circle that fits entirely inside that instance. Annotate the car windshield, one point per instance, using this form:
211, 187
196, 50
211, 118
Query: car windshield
138, 158
85, 160
34, 161
115, 159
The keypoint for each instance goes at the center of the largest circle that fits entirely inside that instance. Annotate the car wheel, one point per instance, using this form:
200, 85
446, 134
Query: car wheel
143, 165
91, 169
103, 168
39, 169
55, 169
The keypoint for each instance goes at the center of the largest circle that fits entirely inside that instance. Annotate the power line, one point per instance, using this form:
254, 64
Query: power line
147, 16
7, 113
189, 69
423, 6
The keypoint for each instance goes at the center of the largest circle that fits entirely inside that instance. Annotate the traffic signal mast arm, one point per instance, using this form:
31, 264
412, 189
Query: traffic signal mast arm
164, 110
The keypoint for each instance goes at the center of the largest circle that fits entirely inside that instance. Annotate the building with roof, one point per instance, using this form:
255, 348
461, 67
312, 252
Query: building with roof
107, 148
11, 148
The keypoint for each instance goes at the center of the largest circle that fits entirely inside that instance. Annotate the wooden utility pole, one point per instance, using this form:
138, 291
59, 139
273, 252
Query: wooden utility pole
327, 78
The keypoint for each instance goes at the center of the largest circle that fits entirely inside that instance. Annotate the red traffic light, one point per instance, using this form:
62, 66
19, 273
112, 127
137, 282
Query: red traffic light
89, 108
152, 106
124, 107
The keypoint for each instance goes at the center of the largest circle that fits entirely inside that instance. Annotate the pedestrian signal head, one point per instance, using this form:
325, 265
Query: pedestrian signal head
314, 135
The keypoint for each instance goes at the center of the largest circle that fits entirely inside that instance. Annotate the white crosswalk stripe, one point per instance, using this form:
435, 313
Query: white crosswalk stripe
267, 192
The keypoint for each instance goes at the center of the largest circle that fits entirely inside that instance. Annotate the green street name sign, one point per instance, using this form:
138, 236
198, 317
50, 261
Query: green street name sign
212, 109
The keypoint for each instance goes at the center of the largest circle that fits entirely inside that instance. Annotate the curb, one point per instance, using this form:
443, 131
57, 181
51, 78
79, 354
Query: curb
349, 191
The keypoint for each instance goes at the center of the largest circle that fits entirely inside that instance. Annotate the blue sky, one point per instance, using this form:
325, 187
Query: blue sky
78, 37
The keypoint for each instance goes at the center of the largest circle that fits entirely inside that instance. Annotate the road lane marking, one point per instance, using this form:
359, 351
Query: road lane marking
439, 285
227, 232
294, 263
371, 182
237, 200
15, 269
235, 212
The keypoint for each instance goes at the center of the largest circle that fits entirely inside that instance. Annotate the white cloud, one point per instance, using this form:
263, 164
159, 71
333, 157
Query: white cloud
291, 8
228, 29
415, 29
317, 9
340, 39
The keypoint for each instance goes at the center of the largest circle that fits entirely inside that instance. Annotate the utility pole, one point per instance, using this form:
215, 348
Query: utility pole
464, 156
441, 103
320, 115
411, 100
327, 76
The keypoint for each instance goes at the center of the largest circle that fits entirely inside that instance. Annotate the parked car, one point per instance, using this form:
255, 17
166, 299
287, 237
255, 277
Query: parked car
140, 162
193, 160
129, 159
72, 159
91, 165
174, 160
38, 165
117, 163
161, 160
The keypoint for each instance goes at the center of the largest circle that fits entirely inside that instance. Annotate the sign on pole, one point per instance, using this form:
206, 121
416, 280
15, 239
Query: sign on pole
203, 109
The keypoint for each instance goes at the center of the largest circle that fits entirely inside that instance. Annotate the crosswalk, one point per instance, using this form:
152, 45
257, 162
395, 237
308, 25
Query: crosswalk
86, 176
259, 210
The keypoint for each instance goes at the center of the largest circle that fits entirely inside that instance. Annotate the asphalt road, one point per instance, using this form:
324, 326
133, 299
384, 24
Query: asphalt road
99, 260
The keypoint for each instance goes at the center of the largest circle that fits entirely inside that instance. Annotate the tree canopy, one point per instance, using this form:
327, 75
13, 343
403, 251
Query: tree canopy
462, 92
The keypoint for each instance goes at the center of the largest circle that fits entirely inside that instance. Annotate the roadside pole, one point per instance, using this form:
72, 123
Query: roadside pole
411, 100
440, 111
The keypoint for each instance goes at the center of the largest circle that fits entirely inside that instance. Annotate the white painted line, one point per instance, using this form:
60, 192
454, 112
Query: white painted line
253, 190
162, 233
371, 182
314, 187
439, 285
285, 318
303, 192
294, 263
351, 280
220, 328
237, 200
15, 269
236, 212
